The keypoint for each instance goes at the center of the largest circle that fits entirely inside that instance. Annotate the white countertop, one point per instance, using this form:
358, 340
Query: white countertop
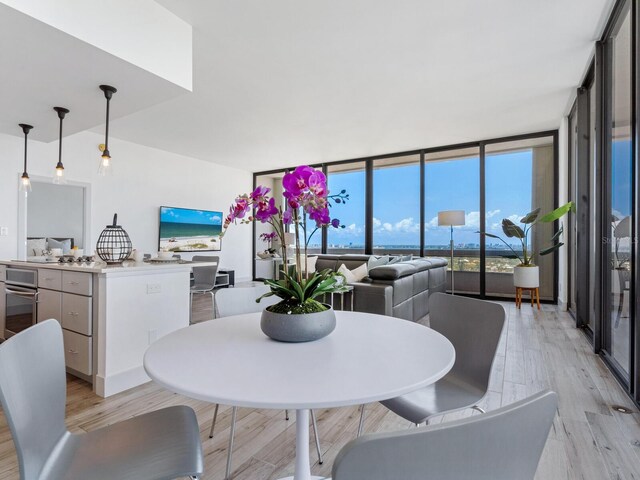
129, 266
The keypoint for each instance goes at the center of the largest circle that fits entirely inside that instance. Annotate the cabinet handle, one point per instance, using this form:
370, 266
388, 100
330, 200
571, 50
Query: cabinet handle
73, 352
74, 283
73, 314
48, 279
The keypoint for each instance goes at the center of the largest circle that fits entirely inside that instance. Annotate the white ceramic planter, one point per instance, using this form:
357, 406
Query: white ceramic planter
526, 277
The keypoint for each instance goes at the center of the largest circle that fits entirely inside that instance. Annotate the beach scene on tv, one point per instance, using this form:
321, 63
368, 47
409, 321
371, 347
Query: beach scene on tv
187, 230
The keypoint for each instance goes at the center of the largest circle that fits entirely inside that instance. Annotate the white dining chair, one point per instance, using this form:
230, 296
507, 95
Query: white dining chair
474, 328
237, 301
505, 444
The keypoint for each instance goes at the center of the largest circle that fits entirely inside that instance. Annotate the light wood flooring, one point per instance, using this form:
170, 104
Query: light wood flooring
589, 440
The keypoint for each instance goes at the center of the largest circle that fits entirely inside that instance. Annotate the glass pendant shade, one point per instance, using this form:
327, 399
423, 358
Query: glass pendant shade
104, 167
24, 184
58, 174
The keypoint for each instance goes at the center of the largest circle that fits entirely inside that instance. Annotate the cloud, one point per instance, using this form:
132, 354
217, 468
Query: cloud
216, 219
376, 223
387, 226
406, 225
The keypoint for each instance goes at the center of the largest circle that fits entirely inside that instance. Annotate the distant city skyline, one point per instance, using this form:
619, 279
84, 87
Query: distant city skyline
449, 185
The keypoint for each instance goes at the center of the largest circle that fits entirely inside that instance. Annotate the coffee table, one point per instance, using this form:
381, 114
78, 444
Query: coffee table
367, 358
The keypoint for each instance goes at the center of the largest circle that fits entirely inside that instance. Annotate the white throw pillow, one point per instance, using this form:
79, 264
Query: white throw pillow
65, 245
36, 246
353, 276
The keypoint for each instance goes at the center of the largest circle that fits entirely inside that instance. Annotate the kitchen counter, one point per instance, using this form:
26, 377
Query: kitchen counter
110, 314
126, 268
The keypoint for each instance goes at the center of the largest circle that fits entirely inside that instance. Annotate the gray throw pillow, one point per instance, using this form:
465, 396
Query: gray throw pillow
65, 245
406, 258
393, 260
377, 261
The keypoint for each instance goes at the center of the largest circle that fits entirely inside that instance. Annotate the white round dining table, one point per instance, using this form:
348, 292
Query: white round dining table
367, 358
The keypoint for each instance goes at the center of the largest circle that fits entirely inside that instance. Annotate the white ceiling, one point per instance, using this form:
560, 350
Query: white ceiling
42, 67
284, 82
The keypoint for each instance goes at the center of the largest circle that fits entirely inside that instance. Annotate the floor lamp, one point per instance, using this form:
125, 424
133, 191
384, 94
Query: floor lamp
451, 218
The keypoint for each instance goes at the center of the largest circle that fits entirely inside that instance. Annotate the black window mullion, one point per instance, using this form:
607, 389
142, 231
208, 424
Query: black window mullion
368, 222
422, 202
483, 228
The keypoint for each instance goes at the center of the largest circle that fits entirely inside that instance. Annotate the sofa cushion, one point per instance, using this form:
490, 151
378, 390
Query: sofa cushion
392, 272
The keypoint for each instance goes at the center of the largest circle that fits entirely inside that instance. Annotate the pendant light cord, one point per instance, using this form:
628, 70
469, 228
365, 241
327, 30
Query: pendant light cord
106, 135
25, 152
60, 143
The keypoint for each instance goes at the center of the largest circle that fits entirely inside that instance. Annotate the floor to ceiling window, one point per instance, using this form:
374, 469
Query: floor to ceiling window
519, 177
394, 200
619, 196
452, 182
396, 205
351, 178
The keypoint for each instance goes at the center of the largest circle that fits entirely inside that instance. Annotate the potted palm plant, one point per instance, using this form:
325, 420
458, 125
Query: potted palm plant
527, 274
300, 316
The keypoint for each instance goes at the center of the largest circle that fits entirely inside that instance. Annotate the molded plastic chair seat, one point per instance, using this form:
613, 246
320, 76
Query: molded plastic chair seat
474, 328
445, 395
505, 444
200, 287
158, 445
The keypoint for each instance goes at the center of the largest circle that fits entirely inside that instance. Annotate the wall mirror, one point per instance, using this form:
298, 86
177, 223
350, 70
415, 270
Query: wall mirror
57, 212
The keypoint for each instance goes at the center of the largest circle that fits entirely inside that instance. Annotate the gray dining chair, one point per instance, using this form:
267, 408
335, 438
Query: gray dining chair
474, 328
237, 301
204, 280
163, 444
505, 444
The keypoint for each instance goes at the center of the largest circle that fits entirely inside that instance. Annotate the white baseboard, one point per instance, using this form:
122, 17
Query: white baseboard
105, 387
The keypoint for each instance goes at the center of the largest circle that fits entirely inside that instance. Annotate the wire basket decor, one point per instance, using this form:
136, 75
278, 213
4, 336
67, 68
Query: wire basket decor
114, 244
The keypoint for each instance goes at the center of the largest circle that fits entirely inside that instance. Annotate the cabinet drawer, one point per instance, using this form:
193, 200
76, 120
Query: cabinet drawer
77, 282
77, 351
51, 279
76, 313
3, 273
49, 305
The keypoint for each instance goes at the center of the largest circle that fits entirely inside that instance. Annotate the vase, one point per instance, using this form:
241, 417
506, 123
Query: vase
298, 328
526, 277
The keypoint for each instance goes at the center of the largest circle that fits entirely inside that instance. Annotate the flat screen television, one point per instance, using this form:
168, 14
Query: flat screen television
189, 230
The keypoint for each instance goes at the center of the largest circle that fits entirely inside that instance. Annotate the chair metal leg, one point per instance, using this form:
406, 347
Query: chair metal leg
315, 434
227, 474
213, 422
213, 304
286, 415
361, 424
479, 409
190, 308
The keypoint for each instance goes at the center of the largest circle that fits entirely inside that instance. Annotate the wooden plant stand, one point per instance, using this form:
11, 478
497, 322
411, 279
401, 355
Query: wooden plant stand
534, 293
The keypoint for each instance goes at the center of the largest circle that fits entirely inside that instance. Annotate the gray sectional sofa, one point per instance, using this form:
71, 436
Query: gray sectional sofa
400, 289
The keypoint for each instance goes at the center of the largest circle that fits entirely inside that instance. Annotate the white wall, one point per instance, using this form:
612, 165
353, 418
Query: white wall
144, 178
563, 197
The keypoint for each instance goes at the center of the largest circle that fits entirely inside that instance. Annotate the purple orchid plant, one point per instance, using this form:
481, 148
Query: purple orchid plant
307, 204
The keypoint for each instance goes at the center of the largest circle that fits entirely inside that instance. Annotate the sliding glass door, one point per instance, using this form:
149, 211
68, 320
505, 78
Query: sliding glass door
619, 174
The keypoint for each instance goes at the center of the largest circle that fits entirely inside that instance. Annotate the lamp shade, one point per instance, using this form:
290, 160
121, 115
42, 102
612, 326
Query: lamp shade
450, 218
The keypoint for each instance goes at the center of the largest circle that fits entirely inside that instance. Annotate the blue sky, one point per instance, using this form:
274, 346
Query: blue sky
449, 185
180, 215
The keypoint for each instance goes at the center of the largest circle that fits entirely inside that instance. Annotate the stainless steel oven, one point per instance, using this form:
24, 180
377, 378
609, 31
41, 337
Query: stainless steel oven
21, 300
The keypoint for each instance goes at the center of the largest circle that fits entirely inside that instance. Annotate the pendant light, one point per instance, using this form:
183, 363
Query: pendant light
25, 183
58, 174
105, 160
